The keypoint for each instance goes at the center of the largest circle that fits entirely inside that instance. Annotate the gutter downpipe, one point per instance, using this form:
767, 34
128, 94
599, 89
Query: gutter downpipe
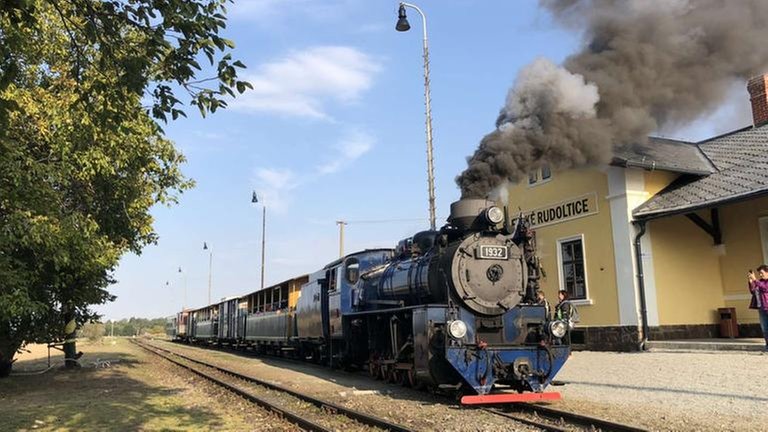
641, 282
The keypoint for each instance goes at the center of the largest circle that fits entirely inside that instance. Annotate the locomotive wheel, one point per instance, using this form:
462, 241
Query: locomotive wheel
405, 378
373, 369
411, 380
394, 375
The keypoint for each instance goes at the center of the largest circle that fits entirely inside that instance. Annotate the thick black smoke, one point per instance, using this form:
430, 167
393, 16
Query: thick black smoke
644, 65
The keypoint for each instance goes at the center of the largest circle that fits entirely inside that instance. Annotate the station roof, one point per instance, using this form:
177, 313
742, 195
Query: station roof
740, 171
665, 154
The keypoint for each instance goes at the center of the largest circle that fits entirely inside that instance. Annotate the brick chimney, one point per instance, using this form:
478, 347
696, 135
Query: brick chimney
757, 95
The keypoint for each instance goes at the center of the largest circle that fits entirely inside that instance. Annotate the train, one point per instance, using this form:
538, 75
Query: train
453, 309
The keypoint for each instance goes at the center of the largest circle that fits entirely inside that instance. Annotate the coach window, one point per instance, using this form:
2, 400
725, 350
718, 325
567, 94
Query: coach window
332, 279
572, 268
352, 273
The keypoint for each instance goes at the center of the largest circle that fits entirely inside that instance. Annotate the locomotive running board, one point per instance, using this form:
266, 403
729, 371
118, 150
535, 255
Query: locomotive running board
500, 398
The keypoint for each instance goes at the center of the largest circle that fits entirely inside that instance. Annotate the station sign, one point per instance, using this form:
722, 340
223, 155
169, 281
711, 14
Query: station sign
573, 208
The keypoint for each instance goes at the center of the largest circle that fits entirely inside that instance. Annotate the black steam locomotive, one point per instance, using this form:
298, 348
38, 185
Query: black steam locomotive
452, 309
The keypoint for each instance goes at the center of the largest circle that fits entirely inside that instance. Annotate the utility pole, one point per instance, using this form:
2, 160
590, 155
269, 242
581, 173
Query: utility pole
341, 224
210, 268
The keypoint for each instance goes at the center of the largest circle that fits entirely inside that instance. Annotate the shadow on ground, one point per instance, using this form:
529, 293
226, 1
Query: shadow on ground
124, 396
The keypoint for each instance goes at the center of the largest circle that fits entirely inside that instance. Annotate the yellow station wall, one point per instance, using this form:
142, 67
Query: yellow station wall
598, 239
687, 272
743, 250
693, 277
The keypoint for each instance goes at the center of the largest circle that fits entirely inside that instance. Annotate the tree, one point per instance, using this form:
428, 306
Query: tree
81, 160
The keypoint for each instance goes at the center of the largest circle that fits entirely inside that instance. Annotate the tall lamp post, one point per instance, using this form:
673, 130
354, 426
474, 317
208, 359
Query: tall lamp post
210, 268
254, 200
402, 26
184, 281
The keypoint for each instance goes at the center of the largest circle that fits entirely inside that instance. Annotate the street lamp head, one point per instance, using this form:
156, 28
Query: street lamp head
205, 246
402, 20
254, 198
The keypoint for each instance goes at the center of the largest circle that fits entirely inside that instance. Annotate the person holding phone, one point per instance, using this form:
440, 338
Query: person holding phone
758, 286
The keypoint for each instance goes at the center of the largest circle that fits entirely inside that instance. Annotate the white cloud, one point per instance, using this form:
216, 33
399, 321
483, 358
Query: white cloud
304, 82
273, 187
349, 149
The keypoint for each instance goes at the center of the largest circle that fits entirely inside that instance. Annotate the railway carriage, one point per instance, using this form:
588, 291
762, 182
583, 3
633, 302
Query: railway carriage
270, 321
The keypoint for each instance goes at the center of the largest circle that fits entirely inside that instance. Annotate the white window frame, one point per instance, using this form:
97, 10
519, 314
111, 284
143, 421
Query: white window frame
539, 179
587, 300
762, 225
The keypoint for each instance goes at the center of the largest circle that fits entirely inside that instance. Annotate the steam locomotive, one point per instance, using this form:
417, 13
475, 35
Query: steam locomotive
452, 309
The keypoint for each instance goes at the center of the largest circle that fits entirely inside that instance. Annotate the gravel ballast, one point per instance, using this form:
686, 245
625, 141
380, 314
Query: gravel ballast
698, 390
670, 391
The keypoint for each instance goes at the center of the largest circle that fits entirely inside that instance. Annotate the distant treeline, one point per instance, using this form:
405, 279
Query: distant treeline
129, 327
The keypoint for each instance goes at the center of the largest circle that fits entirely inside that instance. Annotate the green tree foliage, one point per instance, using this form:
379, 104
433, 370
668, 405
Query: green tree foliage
136, 327
81, 160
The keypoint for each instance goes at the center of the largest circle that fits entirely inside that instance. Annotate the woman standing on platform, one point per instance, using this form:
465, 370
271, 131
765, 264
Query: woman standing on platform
759, 290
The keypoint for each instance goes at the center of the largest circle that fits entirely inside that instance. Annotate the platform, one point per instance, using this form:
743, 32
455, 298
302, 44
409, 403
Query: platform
720, 344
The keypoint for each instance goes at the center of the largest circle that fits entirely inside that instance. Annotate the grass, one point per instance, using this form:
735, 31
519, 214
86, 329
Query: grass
135, 393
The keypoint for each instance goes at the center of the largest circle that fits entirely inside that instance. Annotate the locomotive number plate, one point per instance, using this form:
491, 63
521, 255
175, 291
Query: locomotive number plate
493, 252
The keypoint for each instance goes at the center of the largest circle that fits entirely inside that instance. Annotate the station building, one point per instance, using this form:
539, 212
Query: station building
650, 246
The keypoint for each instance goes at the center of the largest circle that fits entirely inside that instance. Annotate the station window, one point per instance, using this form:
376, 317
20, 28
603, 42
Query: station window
533, 177
546, 173
540, 175
573, 278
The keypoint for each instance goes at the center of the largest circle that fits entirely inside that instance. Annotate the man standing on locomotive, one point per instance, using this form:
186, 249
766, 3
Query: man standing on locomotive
759, 290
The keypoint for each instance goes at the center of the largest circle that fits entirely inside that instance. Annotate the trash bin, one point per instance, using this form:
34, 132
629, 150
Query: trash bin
729, 327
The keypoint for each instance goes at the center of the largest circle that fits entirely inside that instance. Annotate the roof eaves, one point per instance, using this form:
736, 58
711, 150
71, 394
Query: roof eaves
653, 166
655, 214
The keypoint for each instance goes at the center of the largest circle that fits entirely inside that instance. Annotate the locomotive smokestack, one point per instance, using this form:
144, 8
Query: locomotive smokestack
465, 212
644, 65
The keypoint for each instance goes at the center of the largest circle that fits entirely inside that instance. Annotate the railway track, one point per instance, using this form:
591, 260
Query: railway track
542, 417
307, 412
555, 420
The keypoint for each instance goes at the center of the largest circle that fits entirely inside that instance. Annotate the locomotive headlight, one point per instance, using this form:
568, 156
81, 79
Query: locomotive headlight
457, 329
494, 215
558, 328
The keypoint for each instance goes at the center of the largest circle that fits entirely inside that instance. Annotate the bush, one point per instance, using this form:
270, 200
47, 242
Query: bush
93, 331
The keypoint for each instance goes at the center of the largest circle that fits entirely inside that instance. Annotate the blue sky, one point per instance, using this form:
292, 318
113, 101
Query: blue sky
334, 130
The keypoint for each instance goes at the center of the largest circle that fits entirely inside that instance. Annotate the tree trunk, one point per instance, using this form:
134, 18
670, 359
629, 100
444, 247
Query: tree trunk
8, 348
7, 352
70, 349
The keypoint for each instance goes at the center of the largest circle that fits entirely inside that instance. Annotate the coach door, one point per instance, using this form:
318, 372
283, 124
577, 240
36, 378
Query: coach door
325, 286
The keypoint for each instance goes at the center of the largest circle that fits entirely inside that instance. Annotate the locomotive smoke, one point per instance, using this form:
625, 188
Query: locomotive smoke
645, 65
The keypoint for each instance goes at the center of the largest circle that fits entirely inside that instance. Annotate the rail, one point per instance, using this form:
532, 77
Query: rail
326, 406
557, 417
